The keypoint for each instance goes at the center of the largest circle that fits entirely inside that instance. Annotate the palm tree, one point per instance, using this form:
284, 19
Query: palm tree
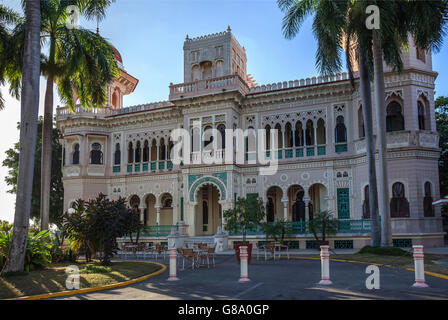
8, 18
81, 63
28, 132
425, 21
335, 23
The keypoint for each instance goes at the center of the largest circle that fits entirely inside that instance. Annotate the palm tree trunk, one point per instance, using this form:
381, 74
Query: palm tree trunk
366, 97
380, 93
47, 139
28, 134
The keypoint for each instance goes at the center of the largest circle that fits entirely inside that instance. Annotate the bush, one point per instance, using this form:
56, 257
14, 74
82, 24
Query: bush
38, 250
390, 251
95, 269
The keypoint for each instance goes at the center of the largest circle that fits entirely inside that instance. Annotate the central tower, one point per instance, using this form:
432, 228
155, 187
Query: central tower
212, 56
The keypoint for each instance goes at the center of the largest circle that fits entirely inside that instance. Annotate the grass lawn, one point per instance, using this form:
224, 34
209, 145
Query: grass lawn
52, 279
401, 262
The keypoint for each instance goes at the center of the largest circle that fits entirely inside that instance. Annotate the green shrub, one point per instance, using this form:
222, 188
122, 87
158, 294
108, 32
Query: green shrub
390, 251
95, 269
38, 250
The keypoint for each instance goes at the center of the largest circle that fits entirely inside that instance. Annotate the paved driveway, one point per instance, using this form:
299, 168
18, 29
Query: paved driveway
285, 279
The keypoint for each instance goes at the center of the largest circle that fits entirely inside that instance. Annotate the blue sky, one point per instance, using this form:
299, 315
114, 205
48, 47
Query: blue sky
150, 35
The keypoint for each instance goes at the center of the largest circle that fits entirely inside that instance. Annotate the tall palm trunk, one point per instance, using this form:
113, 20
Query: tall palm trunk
366, 97
28, 133
47, 139
380, 93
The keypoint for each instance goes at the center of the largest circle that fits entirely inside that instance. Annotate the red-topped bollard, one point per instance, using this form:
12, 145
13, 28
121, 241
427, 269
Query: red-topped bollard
419, 267
243, 262
325, 265
173, 265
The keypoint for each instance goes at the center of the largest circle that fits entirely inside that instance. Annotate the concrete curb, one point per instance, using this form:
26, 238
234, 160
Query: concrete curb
110, 286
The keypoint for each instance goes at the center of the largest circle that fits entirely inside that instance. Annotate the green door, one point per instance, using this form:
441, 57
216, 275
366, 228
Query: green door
344, 203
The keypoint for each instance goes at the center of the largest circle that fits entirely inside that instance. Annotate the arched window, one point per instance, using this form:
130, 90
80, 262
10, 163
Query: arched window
278, 127
321, 136
361, 129
167, 201
399, 205
394, 117
170, 149
96, 155
309, 133
428, 209
130, 153
75, 156
421, 116
134, 203
138, 152
251, 140
366, 204
146, 151
154, 150
117, 155
270, 212
207, 137
195, 73
268, 137
222, 135
288, 135
162, 150
195, 139
299, 134
341, 130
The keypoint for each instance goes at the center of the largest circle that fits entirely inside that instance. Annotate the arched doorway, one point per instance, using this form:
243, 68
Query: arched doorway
274, 205
208, 210
295, 195
151, 213
166, 210
318, 196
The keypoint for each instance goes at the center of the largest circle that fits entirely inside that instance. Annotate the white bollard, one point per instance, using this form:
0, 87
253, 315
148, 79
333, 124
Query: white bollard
173, 265
325, 265
243, 262
419, 267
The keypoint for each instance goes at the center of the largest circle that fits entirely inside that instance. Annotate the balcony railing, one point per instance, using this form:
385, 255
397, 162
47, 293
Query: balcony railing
302, 227
162, 166
157, 230
201, 87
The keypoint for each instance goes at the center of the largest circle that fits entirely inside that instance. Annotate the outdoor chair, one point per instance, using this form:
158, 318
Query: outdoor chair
208, 254
140, 250
179, 255
160, 249
260, 249
188, 254
148, 251
269, 250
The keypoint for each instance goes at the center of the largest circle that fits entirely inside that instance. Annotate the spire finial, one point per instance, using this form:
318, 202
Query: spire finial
187, 37
228, 29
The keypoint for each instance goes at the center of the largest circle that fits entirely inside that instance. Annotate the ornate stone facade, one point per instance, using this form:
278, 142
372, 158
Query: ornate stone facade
321, 147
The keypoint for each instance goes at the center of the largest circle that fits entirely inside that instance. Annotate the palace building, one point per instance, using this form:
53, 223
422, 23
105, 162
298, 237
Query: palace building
321, 150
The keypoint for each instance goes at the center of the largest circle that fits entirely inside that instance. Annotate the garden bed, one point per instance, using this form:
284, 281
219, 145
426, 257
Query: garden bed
52, 279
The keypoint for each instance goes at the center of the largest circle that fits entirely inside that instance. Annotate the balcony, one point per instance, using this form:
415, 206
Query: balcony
145, 167
360, 226
203, 87
400, 139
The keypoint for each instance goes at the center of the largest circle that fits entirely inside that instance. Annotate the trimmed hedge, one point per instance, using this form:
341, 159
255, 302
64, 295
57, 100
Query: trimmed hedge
390, 251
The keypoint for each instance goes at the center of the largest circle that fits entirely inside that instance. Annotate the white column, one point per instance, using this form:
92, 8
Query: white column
142, 214
315, 133
175, 214
173, 265
325, 265
307, 208
244, 277
158, 214
419, 267
285, 209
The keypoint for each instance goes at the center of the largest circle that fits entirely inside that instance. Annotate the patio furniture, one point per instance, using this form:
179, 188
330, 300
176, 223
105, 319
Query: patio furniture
260, 249
269, 250
207, 254
160, 249
190, 255
282, 247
